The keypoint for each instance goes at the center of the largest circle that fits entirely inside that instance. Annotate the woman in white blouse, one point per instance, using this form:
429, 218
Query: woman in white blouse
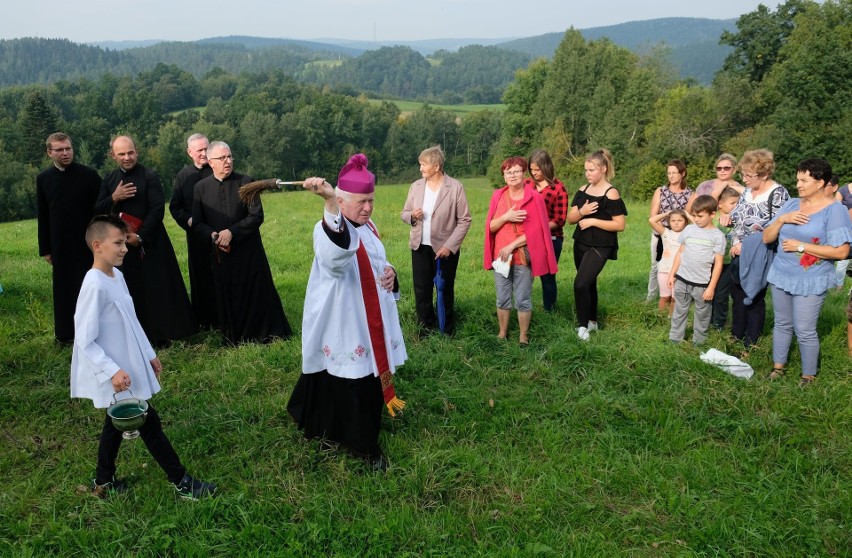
437, 210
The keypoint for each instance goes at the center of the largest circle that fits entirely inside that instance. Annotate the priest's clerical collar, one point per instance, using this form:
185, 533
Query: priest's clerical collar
60, 169
353, 223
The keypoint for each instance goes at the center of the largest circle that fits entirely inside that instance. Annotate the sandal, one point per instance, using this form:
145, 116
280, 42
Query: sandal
807, 381
777, 373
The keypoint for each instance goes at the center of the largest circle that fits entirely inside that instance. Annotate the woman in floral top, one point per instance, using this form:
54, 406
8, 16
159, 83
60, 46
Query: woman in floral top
761, 200
811, 231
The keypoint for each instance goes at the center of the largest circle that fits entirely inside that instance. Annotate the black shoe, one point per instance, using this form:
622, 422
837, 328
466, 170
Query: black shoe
377, 464
194, 489
111, 488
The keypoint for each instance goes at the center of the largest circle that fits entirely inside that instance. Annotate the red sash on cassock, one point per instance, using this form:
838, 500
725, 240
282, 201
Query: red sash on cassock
370, 292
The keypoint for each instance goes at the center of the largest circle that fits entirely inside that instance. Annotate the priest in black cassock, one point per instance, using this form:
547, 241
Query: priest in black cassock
249, 307
65, 195
150, 267
202, 291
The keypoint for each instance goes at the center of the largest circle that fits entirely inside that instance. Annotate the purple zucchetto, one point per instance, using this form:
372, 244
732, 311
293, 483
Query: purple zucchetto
354, 176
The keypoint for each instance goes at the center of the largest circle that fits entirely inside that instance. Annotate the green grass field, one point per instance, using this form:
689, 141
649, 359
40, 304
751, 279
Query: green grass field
623, 445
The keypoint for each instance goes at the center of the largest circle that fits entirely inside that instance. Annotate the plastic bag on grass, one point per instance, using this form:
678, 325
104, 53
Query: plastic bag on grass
730, 364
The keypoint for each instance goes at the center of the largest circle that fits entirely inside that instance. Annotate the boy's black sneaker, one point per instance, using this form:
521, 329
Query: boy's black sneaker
111, 488
194, 489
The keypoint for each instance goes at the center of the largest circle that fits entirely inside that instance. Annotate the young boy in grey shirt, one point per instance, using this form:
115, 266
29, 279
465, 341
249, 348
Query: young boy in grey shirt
696, 270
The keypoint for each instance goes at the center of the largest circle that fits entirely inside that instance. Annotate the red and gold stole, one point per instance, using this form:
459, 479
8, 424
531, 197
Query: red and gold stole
375, 324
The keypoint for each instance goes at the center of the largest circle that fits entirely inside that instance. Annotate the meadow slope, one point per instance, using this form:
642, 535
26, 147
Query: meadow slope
622, 445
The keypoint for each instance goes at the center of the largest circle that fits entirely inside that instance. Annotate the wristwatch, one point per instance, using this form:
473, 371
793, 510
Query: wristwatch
801, 248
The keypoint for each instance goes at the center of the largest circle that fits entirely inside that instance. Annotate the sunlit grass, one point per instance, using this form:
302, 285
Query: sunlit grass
620, 446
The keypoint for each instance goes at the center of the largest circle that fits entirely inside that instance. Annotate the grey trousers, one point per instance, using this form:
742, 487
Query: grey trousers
518, 283
684, 296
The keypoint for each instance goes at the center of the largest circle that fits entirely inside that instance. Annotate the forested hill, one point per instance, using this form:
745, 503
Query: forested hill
35, 60
693, 42
695, 52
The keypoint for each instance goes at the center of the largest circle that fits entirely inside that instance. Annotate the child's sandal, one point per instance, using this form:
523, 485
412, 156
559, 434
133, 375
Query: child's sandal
777, 373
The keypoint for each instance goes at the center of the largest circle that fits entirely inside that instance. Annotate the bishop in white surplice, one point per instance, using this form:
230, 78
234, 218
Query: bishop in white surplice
335, 335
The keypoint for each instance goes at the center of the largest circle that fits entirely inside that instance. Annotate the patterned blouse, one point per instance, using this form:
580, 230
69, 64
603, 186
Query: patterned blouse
752, 214
669, 201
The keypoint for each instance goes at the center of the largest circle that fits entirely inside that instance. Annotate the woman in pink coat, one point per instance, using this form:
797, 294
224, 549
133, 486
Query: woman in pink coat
517, 232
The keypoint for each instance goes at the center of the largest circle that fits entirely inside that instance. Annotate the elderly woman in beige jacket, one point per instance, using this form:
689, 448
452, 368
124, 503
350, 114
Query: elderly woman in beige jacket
437, 210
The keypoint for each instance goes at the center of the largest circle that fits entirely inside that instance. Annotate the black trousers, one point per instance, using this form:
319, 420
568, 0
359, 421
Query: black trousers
747, 321
720, 298
155, 440
423, 267
590, 261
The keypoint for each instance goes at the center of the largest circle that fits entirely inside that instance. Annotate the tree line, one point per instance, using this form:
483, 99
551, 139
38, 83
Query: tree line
784, 87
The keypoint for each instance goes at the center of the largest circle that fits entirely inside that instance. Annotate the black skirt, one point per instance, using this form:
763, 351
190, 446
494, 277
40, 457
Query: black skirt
342, 410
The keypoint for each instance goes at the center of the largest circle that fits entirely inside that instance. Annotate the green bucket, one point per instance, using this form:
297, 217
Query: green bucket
128, 414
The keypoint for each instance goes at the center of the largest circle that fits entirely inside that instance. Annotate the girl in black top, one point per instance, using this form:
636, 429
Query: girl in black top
598, 211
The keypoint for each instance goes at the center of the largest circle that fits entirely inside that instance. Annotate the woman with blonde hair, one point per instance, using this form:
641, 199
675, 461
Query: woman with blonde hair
598, 211
761, 200
437, 210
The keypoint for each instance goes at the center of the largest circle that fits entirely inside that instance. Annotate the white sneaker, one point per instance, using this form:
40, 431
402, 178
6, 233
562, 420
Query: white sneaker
583, 333
593, 326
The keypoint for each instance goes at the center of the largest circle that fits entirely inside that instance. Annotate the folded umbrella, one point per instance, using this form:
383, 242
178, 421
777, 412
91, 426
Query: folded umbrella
439, 301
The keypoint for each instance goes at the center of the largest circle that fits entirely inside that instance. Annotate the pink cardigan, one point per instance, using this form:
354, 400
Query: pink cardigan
536, 229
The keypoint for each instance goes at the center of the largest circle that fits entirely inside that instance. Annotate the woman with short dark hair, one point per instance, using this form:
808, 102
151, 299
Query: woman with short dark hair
812, 231
517, 233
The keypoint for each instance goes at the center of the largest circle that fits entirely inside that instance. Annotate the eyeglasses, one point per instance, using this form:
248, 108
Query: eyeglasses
222, 158
748, 175
720, 169
512, 172
62, 149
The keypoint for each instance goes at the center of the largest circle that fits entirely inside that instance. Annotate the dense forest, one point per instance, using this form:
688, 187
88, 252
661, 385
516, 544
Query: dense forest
692, 47
474, 75
784, 86
691, 44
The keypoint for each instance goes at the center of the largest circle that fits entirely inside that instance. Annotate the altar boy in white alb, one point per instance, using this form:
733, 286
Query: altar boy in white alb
112, 354
351, 338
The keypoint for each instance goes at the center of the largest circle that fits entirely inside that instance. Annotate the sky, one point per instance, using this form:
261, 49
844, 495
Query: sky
84, 21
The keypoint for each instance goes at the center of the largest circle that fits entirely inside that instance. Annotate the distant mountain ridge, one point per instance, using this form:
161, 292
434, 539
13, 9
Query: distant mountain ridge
693, 44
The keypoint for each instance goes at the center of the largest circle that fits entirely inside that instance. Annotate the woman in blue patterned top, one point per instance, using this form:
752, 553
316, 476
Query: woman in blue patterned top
811, 230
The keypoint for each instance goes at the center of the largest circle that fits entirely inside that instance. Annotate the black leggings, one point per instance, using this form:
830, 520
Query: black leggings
155, 440
590, 261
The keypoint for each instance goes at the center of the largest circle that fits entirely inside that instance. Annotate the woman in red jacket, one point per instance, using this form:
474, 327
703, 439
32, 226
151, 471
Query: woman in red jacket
517, 233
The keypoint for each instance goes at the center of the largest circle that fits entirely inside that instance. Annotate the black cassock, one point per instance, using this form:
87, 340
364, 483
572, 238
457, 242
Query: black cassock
151, 271
249, 306
66, 201
202, 290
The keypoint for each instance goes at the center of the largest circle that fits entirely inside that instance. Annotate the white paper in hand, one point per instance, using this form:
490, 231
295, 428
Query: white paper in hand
501, 267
